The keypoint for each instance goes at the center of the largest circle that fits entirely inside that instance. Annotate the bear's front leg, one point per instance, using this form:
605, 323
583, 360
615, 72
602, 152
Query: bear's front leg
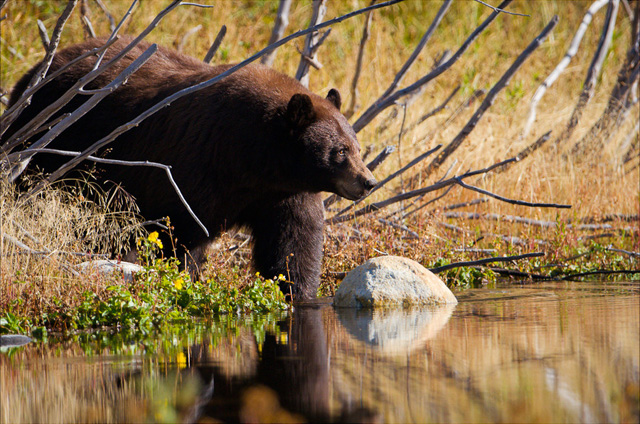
288, 238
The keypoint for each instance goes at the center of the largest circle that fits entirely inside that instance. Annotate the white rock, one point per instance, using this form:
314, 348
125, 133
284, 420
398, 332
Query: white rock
108, 267
389, 281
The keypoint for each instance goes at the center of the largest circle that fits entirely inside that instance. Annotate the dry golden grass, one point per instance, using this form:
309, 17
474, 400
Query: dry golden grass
595, 185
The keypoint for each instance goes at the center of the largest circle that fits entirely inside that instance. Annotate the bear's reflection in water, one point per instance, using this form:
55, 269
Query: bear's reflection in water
288, 377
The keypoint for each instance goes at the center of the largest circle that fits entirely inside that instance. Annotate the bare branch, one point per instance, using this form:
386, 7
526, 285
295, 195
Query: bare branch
404, 228
382, 104
112, 21
188, 35
495, 9
279, 27
44, 37
414, 193
203, 6
488, 101
507, 200
356, 75
562, 65
12, 113
416, 52
26, 132
593, 72
390, 177
527, 151
312, 42
16, 161
216, 44
486, 261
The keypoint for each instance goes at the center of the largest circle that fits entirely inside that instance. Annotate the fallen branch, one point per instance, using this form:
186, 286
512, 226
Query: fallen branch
404, 228
44, 37
186, 36
413, 193
527, 151
112, 21
485, 261
600, 272
626, 252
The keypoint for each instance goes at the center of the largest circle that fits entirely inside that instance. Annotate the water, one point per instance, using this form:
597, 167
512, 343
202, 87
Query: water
561, 352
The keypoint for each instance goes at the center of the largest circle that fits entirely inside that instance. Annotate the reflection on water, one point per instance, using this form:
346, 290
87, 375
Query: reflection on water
567, 352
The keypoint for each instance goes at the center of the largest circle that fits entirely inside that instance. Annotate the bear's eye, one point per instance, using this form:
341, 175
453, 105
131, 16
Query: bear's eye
342, 152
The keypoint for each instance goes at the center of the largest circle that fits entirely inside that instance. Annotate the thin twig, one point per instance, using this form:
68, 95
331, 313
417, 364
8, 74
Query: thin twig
416, 52
593, 72
186, 36
44, 37
486, 261
112, 21
408, 195
512, 201
216, 44
495, 9
382, 183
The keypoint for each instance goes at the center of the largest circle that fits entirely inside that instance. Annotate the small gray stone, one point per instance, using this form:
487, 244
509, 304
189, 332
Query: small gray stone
389, 281
108, 267
13, 340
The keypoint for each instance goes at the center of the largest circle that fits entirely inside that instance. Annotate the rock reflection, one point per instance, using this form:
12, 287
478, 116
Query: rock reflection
394, 331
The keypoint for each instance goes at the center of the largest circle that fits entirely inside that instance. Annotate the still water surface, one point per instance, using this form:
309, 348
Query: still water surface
561, 352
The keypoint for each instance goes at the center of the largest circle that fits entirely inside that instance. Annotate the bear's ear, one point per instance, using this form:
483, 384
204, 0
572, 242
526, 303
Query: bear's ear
300, 111
334, 97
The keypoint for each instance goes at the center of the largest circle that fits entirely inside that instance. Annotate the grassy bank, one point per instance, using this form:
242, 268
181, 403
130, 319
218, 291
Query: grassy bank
41, 289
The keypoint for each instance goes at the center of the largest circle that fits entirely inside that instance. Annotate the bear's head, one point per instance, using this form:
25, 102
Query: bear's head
329, 149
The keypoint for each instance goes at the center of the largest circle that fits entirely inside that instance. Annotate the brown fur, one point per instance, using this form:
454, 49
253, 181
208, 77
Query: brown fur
254, 149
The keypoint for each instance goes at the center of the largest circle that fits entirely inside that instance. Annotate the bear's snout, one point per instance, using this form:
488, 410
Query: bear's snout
370, 184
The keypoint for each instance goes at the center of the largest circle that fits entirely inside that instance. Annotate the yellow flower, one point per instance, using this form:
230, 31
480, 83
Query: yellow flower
153, 238
178, 283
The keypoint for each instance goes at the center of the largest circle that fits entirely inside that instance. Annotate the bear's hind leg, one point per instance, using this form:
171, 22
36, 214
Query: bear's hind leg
288, 239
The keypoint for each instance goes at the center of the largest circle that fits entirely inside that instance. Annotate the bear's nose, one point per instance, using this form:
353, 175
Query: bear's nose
369, 184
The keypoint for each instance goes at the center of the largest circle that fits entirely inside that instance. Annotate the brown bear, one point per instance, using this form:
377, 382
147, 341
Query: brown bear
253, 150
